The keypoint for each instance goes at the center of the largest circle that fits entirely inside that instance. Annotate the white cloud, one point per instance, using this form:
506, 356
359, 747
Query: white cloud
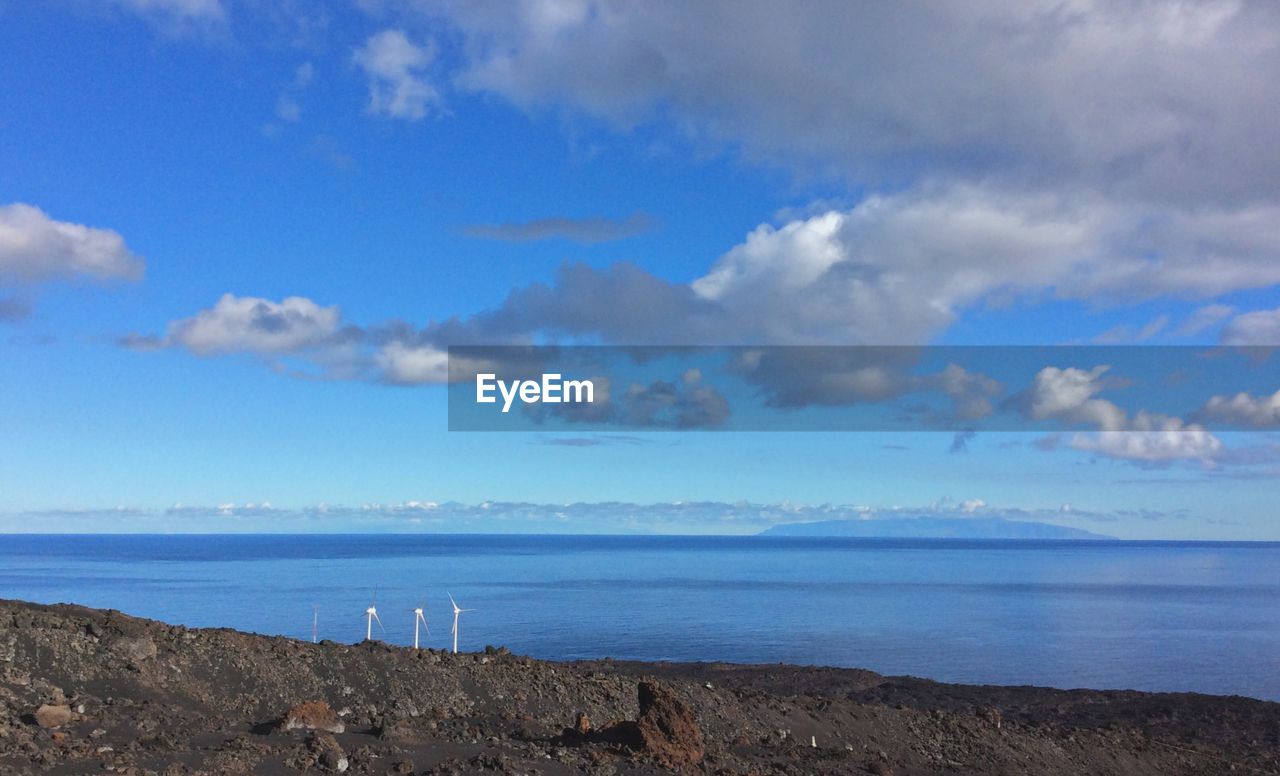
1244, 409
1165, 100
1070, 395
900, 268
1260, 327
257, 326
35, 248
413, 364
1175, 442
396, 70
897, 268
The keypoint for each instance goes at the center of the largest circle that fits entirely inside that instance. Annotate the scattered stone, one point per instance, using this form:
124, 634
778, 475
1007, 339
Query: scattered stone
312, 715
48, 716
583, 724
392, 728
329, 754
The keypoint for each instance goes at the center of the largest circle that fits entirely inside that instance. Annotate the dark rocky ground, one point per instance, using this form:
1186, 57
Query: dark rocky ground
86, 691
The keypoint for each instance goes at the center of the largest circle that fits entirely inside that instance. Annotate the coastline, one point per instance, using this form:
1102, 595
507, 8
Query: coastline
145, 697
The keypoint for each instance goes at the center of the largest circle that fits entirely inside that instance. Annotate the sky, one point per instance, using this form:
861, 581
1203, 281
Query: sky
238, 237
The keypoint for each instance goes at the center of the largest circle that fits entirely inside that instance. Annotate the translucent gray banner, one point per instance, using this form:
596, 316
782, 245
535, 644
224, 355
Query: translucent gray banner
1112, 389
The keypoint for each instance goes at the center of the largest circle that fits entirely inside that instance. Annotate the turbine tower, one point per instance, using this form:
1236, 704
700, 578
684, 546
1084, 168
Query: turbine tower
315, 623
371, 614
419, 619
456, 612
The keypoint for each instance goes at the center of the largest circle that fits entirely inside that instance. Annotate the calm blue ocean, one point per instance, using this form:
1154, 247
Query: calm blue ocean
1152, 616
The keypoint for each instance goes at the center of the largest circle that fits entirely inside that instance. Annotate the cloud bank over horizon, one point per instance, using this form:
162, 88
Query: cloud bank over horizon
678, 517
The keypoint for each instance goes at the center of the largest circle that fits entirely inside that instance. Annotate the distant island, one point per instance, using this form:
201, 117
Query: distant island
933, 528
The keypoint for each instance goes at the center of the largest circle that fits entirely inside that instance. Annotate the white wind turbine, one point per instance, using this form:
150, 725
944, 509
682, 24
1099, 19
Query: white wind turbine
370, 615
419, 618
456, 612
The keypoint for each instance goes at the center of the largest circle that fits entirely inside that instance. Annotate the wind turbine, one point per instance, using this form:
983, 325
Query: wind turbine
315, 623
419, 617
371, 614
456, 612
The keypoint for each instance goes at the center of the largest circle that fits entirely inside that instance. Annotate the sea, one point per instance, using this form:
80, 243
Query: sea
1161, 616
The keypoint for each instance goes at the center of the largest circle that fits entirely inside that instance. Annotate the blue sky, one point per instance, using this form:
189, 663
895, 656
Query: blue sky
419, 174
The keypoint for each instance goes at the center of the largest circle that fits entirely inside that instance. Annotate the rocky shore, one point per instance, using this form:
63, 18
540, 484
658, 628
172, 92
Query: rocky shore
87, 691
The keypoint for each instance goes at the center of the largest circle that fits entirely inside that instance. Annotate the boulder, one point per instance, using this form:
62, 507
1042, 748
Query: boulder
667, 728
329, 755
393, 729
50, 716
312, 715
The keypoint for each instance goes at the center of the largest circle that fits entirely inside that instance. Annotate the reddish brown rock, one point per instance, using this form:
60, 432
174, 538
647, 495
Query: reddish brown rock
583, 724
48, 716
312, 715
667, 729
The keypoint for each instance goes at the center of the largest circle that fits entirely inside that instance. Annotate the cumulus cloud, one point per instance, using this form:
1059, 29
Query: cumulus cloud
1070, 395
396, 69
594, 229
257, 326
949, 86
900, 268
1244, 409
687, 404
1260, 327
971, 393
1169, 440
408, 364
34, 248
